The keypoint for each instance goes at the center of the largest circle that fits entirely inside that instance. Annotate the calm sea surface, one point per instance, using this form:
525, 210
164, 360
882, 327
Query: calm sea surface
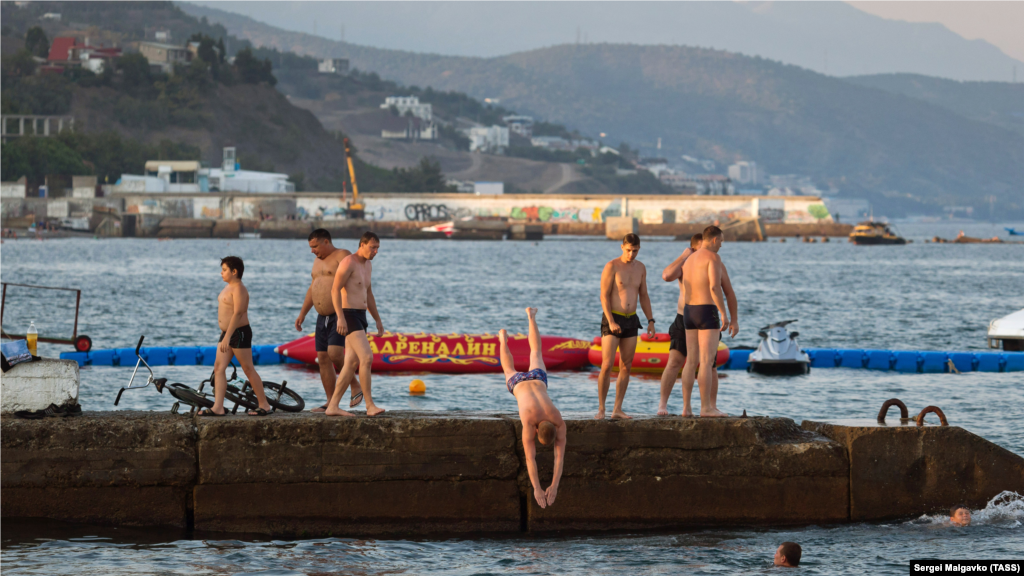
921, 296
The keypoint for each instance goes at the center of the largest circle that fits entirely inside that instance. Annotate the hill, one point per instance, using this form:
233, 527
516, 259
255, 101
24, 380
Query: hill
906, 155
997, 103
831, 37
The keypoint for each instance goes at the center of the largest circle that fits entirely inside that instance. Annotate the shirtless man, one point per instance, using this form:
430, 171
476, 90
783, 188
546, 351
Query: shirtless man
330, 346
352, 293
703, 315
233, 319
541, 420
677, 332
623, 281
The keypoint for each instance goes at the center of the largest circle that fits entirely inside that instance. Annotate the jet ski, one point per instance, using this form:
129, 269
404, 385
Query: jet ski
778, 354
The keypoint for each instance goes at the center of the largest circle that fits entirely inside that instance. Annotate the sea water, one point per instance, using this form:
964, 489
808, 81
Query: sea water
917, 297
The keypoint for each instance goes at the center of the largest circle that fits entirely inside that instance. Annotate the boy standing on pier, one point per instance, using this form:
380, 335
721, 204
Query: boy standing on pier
623, 281
235, 339
352, 294
330, 345
541, 420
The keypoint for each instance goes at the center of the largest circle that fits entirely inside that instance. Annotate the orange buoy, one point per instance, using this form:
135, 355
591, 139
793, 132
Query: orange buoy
417, 387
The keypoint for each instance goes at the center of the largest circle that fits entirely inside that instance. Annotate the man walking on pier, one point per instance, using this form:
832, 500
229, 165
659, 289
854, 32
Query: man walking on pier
623, 282
704, 318
352, 294
330, 346
541, 420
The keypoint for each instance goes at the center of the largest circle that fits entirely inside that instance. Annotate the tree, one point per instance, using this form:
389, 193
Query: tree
36, 158
251, 70
135, 77
36, 42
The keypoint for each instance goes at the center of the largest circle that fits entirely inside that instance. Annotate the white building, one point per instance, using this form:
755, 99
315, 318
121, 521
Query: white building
522, 125
551, 143
188, 176
409, 104
744, 173
333, 66
488, 188
488, 139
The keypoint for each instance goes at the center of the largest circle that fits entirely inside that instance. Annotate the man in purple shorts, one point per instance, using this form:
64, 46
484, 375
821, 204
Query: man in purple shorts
541, 420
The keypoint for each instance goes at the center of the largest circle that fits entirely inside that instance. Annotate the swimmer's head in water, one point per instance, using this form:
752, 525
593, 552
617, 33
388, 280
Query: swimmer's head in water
231, 267
960, 516
696, 240
369, 244
630, 247
320, 243
545, 432
788, 554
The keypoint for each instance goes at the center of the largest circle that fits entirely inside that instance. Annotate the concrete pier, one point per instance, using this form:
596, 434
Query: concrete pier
405, 472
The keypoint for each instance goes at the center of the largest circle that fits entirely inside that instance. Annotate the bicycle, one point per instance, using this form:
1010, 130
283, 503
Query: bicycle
238, 392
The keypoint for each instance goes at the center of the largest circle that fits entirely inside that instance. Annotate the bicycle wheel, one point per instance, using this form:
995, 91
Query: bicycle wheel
283, 398
247, 400
189, 396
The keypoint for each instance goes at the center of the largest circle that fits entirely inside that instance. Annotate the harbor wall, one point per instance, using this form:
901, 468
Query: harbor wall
304, 474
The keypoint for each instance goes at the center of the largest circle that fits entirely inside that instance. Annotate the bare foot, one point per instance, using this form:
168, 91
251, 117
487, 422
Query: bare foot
599, 415
616, 414
320, 408
337, 412
531, 313
373, 410
662, 410
713, 413
687, 414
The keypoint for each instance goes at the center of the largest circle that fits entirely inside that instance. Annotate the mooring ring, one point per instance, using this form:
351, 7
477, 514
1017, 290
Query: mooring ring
904, 413
930, 409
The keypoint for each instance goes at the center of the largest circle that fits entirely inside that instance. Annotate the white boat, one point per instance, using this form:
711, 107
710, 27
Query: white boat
1009, 330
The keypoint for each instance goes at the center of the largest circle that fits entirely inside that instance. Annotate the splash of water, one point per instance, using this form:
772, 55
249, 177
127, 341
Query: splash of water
1005, 510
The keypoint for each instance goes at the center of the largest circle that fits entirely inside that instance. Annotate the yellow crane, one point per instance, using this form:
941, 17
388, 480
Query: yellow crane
355, 208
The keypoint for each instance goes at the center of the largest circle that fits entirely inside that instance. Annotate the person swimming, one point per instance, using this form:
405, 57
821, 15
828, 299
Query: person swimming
960, 516
787, 555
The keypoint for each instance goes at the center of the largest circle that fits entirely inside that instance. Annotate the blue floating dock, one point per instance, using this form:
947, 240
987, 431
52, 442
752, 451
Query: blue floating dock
909, 361
171, 356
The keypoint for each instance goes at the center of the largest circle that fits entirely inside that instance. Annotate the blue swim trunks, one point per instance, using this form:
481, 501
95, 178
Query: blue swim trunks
536, 374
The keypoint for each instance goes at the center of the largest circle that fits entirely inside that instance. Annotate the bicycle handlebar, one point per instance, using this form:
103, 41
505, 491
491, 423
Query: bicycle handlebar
118, 399
139, 345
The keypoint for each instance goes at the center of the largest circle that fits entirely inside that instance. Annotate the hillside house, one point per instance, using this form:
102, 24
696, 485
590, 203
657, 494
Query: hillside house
189, 176
492, 139
407, 128
333, 66
522, 125
409, 104
164, 56
744, 173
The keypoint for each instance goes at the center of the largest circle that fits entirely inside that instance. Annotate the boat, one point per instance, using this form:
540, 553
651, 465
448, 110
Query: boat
874, 233
651, 354
778, 353
1013, 232
1009, 330
451, 353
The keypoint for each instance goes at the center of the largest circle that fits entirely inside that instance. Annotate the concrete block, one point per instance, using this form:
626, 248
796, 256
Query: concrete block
901, 471
165, 506
36, 385
297, 229
227, 229
616, 227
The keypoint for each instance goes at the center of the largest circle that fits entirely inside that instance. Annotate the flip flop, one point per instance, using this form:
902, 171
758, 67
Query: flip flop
260, 412
355, 400
209, 412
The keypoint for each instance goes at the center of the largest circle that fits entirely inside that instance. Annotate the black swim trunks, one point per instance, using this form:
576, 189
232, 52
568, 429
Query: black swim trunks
240, 338
327, 332
701, 317
629, 325
355, 320
677, 335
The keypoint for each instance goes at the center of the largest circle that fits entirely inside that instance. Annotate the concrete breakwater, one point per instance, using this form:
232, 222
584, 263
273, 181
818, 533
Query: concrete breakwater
305, 474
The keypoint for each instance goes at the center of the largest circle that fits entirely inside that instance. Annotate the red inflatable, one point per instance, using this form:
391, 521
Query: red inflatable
651, 354
452, 353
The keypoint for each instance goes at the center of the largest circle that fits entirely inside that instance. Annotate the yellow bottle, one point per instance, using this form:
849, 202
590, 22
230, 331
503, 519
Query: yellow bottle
32, 337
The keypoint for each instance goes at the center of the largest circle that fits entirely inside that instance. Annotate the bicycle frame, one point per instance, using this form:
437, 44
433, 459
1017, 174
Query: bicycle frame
149, 380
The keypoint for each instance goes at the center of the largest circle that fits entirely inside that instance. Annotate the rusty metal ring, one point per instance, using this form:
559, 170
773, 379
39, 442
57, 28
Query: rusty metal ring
904, 413
935, 409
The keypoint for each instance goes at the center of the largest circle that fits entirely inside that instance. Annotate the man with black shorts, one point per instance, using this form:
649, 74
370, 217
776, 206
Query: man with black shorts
330, 346
352, 293
677, 331
623, 282
235, 339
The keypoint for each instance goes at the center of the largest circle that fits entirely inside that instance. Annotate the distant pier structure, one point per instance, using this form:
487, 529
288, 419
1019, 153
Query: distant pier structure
17, 125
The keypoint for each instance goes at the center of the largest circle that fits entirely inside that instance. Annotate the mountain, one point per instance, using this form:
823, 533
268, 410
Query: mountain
830, 37
998, 103
905, 154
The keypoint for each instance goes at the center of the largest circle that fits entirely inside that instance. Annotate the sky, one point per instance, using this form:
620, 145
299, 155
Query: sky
998, 23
